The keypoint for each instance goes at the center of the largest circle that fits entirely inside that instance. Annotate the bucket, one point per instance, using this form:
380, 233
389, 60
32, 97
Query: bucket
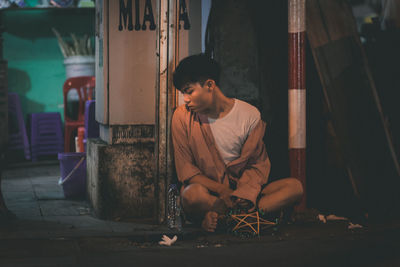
79, 66
73, 174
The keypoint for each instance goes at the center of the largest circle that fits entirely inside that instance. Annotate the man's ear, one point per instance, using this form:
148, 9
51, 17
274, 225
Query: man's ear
210, 84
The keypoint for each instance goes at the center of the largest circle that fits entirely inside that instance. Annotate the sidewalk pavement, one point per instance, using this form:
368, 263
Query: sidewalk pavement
32, 193
53, 231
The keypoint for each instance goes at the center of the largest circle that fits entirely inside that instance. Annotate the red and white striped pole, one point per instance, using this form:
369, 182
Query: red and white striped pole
297, 93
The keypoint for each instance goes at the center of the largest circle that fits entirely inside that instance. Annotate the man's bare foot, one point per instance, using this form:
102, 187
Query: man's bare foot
210, 221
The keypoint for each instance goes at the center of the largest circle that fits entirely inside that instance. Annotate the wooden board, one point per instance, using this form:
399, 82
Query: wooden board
353, 103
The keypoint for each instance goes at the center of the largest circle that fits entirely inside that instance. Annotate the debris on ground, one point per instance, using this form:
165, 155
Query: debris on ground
322, 218
330, 217
309, 215
166, 241
333, 217
354, 226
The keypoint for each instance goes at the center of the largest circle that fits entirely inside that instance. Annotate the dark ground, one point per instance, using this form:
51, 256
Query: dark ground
53, 231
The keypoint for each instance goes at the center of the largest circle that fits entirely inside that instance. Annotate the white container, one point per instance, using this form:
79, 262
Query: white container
79, 66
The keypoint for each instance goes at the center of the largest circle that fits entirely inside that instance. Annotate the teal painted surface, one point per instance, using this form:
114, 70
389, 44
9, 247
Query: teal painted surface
35, 63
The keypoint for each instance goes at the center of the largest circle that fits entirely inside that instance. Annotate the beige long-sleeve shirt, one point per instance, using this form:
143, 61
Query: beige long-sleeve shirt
195, 153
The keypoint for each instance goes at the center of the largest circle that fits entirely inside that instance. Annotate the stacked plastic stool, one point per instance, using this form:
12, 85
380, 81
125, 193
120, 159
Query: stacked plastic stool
17, 137
46, 134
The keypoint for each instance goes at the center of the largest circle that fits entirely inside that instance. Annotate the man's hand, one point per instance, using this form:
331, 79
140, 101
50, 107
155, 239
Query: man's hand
225, 195
243, 204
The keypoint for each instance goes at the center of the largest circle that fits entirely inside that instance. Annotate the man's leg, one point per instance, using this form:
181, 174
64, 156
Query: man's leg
280, 194
201, 206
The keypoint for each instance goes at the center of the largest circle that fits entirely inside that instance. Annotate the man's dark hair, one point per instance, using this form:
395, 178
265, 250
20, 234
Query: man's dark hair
196, 68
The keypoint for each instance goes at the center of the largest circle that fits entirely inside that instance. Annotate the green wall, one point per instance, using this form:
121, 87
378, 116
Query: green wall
35, 63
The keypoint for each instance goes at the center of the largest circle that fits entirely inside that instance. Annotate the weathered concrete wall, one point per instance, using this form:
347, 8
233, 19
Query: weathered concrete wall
121, 179
249, 39
235, 48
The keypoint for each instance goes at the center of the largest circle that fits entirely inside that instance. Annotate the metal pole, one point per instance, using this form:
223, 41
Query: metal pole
167, 53
161, 108
297, 93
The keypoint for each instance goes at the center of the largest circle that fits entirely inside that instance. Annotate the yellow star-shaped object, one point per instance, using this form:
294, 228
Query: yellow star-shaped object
249, 222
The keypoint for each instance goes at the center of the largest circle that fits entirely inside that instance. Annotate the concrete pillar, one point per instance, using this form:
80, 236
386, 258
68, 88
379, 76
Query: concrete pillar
137, 48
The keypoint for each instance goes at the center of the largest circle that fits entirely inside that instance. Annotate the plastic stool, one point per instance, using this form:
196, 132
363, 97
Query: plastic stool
46, 134
17, 138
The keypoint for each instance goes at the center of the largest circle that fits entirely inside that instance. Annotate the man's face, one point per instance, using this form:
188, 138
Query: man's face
198, 98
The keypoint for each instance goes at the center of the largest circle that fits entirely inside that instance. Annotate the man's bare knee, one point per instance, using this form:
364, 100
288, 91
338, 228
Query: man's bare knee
193, 194
292, 187
196, 201
296, 187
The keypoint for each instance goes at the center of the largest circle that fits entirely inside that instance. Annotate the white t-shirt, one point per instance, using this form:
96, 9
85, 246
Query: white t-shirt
231, 131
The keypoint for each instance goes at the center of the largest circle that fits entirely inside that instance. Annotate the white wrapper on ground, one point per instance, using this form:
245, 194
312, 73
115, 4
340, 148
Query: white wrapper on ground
166, 241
